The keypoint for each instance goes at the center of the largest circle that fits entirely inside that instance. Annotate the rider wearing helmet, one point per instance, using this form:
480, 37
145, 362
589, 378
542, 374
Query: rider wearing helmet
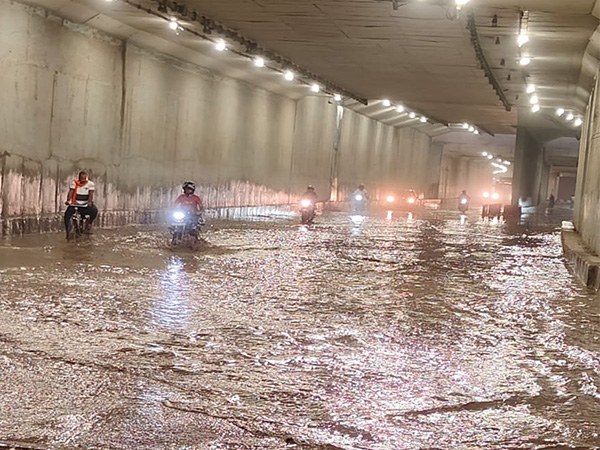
360, 192
311, 194
189, 201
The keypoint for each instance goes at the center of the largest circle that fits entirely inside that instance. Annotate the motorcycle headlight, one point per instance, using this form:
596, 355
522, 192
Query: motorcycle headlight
463, 201
358, 198
390, 199
178, 215
495, 196
305, 203
411, 200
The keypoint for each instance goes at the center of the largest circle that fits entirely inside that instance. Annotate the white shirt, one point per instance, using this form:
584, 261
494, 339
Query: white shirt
83, 192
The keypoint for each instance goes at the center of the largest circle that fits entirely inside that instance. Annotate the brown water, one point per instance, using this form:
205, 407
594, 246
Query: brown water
382, 334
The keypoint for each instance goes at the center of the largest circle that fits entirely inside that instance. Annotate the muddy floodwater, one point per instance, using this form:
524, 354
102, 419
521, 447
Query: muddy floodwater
356, 333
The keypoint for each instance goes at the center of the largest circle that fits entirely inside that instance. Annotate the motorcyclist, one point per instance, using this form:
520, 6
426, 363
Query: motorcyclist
310, 194
190, 203
81, 195
360, 192
463, 200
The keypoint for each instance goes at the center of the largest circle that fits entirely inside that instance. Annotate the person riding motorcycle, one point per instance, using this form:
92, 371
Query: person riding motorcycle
360, 197
190, 203
308, 204
81, 195
463, 201
310, 194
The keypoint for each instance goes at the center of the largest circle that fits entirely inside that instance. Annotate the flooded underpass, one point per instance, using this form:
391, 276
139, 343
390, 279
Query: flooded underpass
356, 333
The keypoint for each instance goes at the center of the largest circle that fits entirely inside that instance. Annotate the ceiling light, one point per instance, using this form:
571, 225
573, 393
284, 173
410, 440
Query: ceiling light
578, 122
423, 119
387, 103
471, 128
220, 45
560, 112
531, 89
465, 125
259, 61
524, 61
461, 3
535, 108
400, 108
288, 75
484, 153
570, 117
315, 88
490, 156
534, 100
412, 115
476, 132
507, 163
522, 39
337, 97
173, 24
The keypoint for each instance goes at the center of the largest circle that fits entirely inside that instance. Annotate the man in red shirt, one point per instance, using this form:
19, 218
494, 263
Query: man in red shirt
188, 201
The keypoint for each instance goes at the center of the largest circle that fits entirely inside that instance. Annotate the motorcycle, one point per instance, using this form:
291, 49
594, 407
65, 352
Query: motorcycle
359, 202
463, 205
78, 223
307, 211
185, 228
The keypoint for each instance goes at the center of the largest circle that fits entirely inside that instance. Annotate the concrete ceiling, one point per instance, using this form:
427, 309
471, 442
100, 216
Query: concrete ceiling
414, 55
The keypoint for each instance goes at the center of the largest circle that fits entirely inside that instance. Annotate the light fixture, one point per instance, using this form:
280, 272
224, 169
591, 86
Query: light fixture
259, 61
387, 103
288, 75
570, 117
531, 88
173, 24
315, 88
524, 61
471, 128
412, 115
220, 45
522, 39
484, 153
423, 119
534, 100
476, 131
578, 122
337, 97
535, 108
400, 108
461, 3
506, 163
490, 156
560, 112
465, 125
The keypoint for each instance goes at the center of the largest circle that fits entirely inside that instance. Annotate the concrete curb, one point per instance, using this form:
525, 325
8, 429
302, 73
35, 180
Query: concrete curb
581, 259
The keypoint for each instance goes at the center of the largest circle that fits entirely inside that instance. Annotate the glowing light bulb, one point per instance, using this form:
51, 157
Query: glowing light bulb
173, 24
288, 75
560, 112
535, 108
423, 119
220, 45
531, 89
490, 157
476, 131
315, 88
524, 61
400, 108
578, 122
412, 115
387, 103
337, 97
471, 128
465, 125
484, 153
534, 100
570, 117
259, 61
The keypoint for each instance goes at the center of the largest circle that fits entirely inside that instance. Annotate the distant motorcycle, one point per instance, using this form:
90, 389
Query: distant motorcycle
307, 211
359, 202
463, 204
185, 229
78, 224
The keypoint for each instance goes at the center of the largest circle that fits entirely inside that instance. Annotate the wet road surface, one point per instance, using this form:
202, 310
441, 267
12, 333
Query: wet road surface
423, 333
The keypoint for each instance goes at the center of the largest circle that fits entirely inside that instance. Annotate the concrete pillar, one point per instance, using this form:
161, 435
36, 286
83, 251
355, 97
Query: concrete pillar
528, 150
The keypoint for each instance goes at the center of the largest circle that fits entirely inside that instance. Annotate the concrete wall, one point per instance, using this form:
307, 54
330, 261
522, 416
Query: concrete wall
587, 194
141, 123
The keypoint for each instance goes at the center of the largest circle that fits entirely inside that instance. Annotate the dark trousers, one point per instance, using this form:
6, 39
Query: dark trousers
91, 211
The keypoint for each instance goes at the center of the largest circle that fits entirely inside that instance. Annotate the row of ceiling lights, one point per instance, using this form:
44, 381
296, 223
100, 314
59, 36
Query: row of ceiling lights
499, 163
401, 109
259, 61
522, 39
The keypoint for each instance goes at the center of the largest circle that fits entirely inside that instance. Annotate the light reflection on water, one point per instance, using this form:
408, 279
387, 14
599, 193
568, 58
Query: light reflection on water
378, 333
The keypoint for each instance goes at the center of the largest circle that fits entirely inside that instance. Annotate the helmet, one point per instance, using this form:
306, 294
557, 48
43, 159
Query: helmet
310, 187
189, 185
361, 186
